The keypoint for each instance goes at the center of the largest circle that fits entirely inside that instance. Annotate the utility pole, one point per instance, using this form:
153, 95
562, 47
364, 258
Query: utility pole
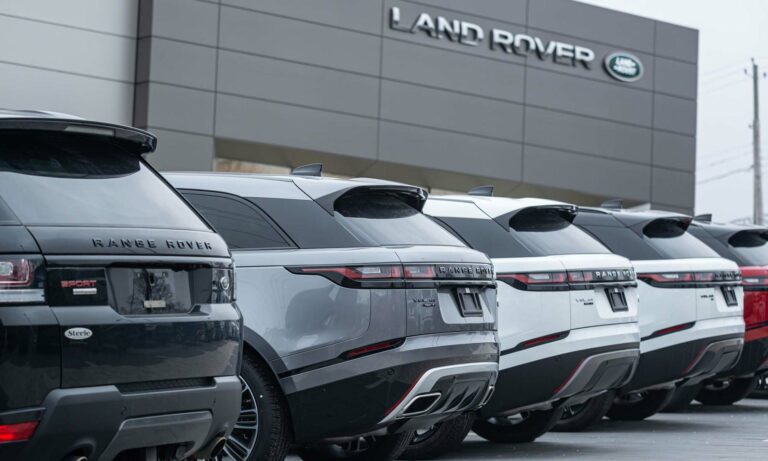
757, 212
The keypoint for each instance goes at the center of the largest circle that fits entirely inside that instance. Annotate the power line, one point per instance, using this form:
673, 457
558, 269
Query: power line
717, 88
727, 159
725, 175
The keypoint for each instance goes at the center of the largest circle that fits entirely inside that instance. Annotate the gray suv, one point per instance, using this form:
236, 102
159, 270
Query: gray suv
364, 319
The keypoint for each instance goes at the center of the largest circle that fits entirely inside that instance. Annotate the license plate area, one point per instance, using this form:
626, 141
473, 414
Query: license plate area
617, 299
151, 291
469, 302
729, 293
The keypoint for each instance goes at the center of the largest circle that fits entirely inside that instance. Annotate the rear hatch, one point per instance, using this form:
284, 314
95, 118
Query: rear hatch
141, 288
449, 287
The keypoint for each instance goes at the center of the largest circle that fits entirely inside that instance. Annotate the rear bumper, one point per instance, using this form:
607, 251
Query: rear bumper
103, 421
754, 358
427, 379
688, 361
554, 380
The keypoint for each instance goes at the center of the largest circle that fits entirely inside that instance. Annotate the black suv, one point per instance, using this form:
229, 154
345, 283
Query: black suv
119, 336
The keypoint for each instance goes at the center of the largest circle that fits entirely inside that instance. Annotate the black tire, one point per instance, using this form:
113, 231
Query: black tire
441, 438
726, 392
530, 426
385, 448
636, 406
272, 431
579, 417
682, 398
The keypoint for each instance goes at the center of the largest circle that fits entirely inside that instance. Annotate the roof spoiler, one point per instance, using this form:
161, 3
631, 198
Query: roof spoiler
568, 212
413, 195
613, 204
703, 217
482, 191
313, 169
138, 141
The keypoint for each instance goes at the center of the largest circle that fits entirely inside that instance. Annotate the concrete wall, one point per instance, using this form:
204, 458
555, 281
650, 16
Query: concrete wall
288, 81
74, 56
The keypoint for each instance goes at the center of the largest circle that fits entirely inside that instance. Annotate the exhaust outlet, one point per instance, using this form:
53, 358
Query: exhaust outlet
421, 404
75, 458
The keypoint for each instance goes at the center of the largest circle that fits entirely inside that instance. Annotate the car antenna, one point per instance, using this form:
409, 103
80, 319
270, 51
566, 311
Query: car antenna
313, 169
483, 191
613, 204
707, 217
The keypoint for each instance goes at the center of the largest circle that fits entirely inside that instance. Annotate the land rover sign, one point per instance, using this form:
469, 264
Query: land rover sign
624, 67
621, 66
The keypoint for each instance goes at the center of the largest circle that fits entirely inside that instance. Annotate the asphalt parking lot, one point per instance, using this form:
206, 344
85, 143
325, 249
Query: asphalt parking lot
736, 432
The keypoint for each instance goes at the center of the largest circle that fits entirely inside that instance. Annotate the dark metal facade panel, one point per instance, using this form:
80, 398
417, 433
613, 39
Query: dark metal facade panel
455, 112
473, 155
590, 175
335, 78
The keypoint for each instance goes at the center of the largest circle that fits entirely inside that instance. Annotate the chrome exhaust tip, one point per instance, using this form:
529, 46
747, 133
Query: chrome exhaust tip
421, 404
75, 458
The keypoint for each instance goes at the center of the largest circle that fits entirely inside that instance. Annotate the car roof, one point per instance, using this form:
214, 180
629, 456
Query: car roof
324, 190
717, 229
634, 217
498, 206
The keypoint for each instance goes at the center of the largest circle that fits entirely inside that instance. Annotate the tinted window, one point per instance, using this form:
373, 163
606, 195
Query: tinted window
239, 223
385, 219
623, 241
307, 223
545, 231
751, 248
73, 180
487, 236
669, 238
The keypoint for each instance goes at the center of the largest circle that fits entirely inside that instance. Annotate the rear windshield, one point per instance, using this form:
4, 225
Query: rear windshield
670, 239
77, 180
385, 219
751, 248
658, 241
546, 232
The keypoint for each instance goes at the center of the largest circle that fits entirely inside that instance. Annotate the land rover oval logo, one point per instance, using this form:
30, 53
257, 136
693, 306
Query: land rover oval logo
78, 333
624, 67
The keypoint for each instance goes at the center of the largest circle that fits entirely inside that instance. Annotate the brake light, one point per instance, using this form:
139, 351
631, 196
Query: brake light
754, 278
420, 272
17, 432
570, 280
357, 272
21, 280
691, 279
370, 349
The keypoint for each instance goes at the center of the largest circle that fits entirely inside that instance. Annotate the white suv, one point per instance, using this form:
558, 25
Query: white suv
691, 306
567, 310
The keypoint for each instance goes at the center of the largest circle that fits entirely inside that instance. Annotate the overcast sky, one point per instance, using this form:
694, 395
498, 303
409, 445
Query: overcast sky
730, 33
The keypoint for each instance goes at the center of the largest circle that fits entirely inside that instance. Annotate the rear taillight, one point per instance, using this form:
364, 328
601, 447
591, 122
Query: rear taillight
396, 275
754, 278
21, 280
18, 432
570, 280
691, 279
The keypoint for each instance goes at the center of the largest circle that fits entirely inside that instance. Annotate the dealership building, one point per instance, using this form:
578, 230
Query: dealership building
552, 98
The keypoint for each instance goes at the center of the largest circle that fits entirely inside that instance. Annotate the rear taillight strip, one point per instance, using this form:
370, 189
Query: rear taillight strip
397, 275
569, 280
21, 280
691, 279
546, 339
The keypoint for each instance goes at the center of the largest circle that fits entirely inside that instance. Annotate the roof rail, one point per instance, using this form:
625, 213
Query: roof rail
482, 191
313, 169
707, 217
613, 204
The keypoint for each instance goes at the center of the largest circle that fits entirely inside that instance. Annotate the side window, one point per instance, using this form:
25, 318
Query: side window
240, 224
